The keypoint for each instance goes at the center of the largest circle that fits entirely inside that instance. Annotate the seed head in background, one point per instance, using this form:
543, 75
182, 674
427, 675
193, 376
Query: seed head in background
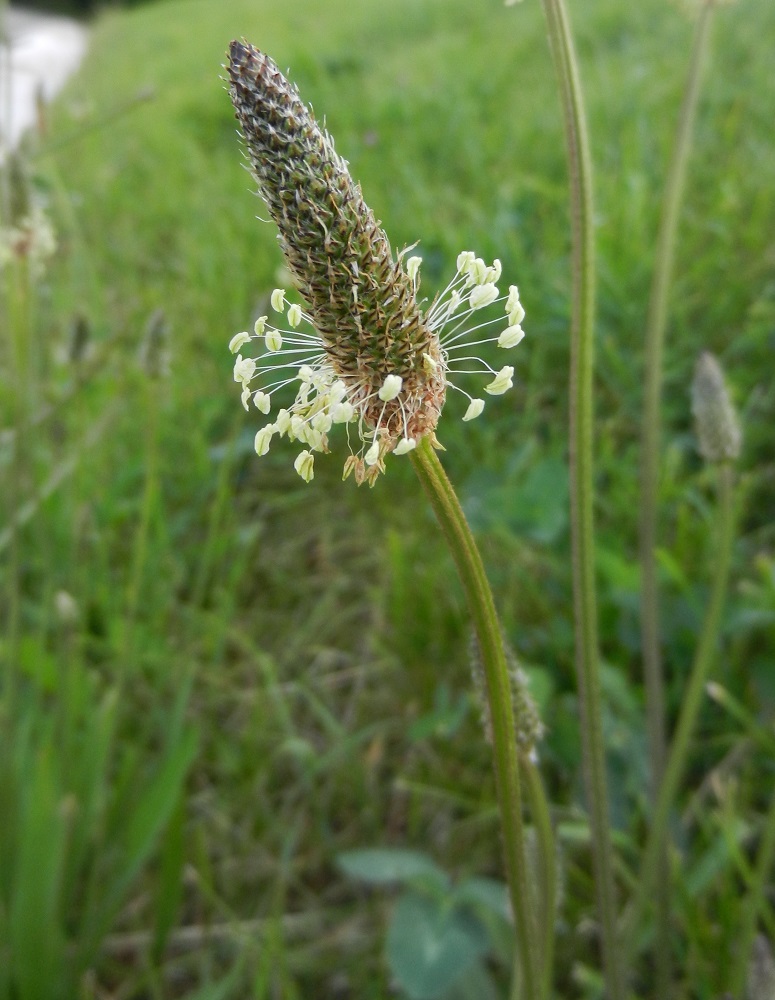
26, 234
361, 350
718, 429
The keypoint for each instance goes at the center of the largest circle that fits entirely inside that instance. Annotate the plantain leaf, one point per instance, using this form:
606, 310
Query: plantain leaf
430, 946
382, 865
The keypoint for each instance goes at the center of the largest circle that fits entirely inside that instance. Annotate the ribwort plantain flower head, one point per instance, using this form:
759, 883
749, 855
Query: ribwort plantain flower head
529, 729
718, 429
361, 349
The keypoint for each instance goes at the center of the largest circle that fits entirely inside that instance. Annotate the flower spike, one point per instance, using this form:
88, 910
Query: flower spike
359, 349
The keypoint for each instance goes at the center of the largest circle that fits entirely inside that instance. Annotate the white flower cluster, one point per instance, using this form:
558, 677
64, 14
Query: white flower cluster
474, 287
32, 238
324, 398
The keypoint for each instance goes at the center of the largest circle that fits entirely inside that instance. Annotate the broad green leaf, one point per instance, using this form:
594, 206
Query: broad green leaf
484, 893
429, 945
475, 983
382, 865
488, 900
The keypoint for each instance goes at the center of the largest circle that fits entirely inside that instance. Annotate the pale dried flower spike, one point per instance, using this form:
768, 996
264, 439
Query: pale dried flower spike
718, 428
529, 729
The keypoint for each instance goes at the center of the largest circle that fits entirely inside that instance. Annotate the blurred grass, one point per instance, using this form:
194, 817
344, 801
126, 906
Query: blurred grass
319, 627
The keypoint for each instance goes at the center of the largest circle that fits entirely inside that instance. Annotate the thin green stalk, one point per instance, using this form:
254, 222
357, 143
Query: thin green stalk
218, 508
24, 512
470, 568
539, 811
675, 186
753, 905
18, 313
581, 475
692, 699
147, 509
546, 879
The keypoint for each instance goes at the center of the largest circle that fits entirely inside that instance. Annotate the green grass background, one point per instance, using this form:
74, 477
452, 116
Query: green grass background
313, 637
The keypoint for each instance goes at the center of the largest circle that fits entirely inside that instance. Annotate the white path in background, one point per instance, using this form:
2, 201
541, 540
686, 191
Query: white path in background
38, 52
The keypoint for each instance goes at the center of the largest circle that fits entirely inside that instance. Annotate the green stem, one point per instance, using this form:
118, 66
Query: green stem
147, 509
218, 507
16, 308
470, 568
692, 700
539, 811
753, 905
649, 475
581, 474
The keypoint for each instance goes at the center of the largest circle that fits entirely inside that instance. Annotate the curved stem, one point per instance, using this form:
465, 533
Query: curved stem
649, 473
581, 469
470, 568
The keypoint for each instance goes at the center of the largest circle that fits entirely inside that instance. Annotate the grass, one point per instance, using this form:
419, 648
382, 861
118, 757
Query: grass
315, 633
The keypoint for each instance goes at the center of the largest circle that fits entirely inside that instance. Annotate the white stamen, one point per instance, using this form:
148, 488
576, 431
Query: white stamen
404, 445
478, 272
273, 340
502, 382
511, 336
390, 388
305, 465
482, 295
244, 369
429, 364
516, 315
262, 402
475, 407
238, 340
323, 396
322, 422
342, 413
338, 391
494, 272
283, 422
464, 261
263, 439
